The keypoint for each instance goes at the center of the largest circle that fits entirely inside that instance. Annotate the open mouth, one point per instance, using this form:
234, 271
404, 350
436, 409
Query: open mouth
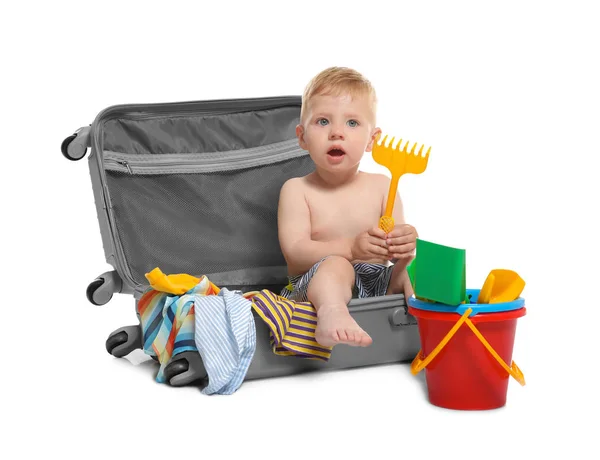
336, 152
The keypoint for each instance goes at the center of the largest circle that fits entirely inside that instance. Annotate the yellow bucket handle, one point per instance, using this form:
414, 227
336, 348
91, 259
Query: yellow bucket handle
420, 362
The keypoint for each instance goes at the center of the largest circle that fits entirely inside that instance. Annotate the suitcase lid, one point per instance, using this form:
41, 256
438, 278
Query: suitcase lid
193, 187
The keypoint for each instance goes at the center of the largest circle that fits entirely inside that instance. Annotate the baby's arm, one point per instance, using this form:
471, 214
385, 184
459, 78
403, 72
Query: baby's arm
293, 217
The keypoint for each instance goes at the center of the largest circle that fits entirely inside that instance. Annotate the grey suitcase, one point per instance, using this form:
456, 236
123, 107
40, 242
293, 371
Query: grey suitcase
193, 187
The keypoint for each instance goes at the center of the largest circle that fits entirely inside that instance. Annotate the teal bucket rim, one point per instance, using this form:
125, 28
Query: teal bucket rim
461, 308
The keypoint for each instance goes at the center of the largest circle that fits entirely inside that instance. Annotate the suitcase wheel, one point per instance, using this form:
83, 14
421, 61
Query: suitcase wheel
174, 368
64, 148
185, 368
98, 292
123, 341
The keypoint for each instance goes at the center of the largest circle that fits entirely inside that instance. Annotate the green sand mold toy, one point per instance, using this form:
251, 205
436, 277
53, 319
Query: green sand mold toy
439, 275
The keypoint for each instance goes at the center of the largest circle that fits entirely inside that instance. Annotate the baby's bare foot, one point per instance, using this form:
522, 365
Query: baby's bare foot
335, 326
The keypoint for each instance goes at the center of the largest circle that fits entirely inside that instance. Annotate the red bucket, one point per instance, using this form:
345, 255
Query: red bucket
462, 372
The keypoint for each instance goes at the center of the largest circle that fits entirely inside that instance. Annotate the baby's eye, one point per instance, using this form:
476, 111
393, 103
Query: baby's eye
352, 123
323, 121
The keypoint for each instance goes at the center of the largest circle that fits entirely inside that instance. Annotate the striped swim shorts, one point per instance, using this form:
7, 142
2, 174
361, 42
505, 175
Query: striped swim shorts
371, 280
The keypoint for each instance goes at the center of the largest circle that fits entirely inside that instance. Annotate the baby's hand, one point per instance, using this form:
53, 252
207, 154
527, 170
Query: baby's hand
370, 245
402, 241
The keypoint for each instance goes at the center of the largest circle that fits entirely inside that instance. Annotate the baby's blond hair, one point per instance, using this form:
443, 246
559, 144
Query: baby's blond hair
334, 81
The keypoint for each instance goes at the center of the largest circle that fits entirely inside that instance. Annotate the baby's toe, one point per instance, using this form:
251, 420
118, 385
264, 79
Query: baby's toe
365, 339
350, 336
342, 335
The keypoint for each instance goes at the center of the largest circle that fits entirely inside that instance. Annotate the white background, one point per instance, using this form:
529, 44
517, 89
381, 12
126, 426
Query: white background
505, 93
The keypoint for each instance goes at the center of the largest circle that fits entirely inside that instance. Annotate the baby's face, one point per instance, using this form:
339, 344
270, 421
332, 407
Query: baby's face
337, 130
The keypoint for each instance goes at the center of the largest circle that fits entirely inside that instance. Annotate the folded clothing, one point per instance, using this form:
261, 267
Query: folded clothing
183, 313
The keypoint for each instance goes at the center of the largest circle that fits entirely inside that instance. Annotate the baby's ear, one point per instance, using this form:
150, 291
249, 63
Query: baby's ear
300, 136
374, 135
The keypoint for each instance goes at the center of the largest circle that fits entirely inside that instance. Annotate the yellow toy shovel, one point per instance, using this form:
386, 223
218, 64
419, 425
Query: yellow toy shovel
501, 286
398, 161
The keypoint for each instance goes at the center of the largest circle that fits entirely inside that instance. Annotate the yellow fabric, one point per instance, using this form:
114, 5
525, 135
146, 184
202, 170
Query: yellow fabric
292, 326
176, 284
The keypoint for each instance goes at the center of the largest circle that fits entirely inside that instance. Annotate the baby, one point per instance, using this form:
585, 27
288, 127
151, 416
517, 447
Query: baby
328, 220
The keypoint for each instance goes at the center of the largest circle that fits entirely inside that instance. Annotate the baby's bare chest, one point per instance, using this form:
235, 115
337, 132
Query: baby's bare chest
335, 214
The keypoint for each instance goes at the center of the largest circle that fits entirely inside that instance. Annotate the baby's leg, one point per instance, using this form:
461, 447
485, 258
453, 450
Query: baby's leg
400, 281
329, 291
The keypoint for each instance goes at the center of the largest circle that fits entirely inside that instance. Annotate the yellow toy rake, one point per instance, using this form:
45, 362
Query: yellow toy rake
398, 161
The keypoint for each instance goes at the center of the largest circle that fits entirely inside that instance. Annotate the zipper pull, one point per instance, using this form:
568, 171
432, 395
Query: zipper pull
124, 163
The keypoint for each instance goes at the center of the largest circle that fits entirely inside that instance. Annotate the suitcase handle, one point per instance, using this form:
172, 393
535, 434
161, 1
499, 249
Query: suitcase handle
420, 362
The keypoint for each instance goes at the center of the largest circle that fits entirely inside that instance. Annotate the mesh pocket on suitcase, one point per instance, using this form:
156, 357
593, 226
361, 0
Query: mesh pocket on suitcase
200, 223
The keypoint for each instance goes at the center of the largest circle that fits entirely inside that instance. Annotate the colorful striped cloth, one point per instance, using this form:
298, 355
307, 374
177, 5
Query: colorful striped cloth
167, 322
292, 325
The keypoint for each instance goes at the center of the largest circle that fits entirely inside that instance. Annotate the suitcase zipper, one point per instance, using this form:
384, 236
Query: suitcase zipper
193, 163
124, 163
